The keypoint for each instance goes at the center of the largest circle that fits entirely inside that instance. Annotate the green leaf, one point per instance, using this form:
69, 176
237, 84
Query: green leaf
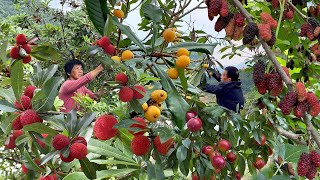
5, 106
7, 94
136, 106
127, 31
186, 143
196, 47
43, 100
104, 149
114, 173
72, 122
85, 122
183, 79
155, 171
31, 164
165, 133
76, 176
181, 153
113, 162
242, 164
125, 137
17, 79
108, 26
125, 123
3, 54
196, 77
88, 168
98, 13
152, 12
40, 128
45, 52
48, 157
6, 123
293, 152
176, 104
280, 177
43, 76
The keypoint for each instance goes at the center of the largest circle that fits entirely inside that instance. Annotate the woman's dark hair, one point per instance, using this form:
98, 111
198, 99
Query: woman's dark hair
232, 73
69, 65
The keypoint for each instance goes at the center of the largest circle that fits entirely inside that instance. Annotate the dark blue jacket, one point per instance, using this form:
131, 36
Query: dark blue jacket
229, 94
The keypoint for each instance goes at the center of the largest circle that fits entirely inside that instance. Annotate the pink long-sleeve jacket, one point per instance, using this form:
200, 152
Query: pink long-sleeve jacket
71, 87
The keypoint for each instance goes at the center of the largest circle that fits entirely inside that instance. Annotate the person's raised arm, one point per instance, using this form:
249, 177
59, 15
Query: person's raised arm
96, 71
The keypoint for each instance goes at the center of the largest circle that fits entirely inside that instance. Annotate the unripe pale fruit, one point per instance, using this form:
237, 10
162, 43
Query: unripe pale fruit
126, 55
231, 157
152, 113
194, 124
118, 13
169, 35
190, 114
224, 145
259, 163
182, 51
116, 58
218, 162
173, 73
183, 62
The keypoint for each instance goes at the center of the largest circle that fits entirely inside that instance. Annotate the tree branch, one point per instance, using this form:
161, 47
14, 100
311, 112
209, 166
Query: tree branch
311, 130
295, 137
297, 10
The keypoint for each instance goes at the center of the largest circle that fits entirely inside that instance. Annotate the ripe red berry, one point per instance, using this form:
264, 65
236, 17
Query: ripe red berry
140, 145
10, 142
194, 124
207, 150
29, 91
218, 162
21, 39
138, 92
122, 79
231, 157
14, 52
104, 42
25, 103
103, 127
66, 159
27, 48
29, 117
78, 151
304, 164
60, 141
125, 94
224, 145
141, 123
26, 59
262, 140
79, 139
110, 49
16, 124
164, 147
259, 163
190, 114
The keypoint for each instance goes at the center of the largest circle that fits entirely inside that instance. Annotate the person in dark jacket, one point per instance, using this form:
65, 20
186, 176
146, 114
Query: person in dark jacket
228, 92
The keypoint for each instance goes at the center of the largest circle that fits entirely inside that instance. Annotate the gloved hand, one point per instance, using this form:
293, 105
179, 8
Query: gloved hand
213, 72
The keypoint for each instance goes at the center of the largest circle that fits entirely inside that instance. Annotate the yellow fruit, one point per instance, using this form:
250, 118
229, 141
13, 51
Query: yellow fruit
173, 73
116, 58
188, 97
152, 113
182, 51
183, 61
169, 35
205, 66
145, 106
158, 96
174, 29
158, 105
118, 13
126, 55
179, 35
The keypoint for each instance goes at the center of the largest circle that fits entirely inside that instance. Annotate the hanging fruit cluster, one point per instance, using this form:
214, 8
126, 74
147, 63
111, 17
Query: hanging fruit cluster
21, 50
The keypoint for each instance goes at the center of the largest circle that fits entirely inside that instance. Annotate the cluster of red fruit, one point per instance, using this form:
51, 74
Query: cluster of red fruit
314, 11
216, 7
301, 101
141, 144
103, 127
264, 82
310, 29
217, 160
21, 49
104, 43
78, 147
28, 116
127, 93
315, 49
308, 164
266, 29
235, 27
10, 142
194, 123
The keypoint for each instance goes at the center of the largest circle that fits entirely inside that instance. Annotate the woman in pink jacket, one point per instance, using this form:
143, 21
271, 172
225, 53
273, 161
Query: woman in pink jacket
75, 84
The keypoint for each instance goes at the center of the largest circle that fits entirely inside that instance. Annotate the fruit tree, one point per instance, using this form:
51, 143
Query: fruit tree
151, 121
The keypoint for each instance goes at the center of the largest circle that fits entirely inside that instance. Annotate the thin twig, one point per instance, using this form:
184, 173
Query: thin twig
295, 137
297, 10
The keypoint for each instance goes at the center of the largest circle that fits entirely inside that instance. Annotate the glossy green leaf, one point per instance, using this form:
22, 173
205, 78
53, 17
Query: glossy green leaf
7, 94
113, 162
125, 136
114, 173
5, 106
196, 77
183, 79
45, 52
3, 55
31, 164
6, 123
293, 152
17, 79
48, 157
125, 123
108, 28
127, 31
42, 76
104, 149
84, 122
165, 133
196, 47
76, 176
98, 13
88, 168
44, 99
181, 153
186, 143
176, 104
40, 128
280, 177
155, 171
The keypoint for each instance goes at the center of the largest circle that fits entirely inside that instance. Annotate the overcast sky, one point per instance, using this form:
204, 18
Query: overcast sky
198, 17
